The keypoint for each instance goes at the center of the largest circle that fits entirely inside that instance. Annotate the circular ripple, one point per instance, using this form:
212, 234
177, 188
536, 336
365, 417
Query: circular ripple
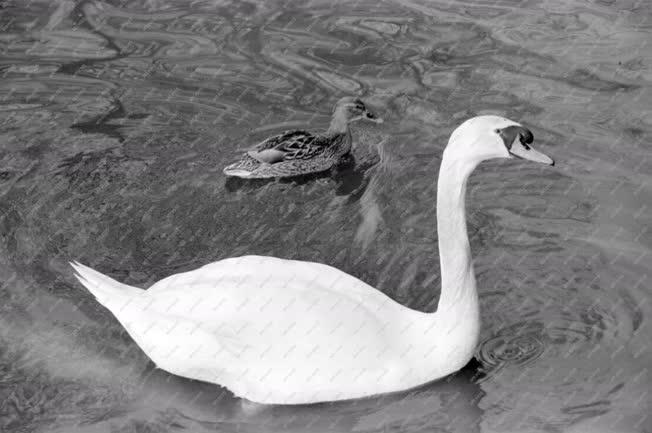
570, 331
510, 348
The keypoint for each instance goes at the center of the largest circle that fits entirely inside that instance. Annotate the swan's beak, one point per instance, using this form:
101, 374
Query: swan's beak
517, 139
525, 151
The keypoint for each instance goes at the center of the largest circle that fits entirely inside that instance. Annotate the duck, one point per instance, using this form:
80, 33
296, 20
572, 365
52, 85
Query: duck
286, 332
300, 152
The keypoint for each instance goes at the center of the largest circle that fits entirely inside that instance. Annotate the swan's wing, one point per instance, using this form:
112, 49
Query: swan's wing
247, 325
266, 327
261, 300
290, 145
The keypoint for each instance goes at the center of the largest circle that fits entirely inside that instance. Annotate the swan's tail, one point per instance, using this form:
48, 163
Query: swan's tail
106, 290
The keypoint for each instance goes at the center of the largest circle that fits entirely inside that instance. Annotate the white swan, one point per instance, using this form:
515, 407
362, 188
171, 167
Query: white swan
280, 331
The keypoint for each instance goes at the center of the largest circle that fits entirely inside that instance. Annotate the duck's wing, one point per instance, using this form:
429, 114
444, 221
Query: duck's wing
291, 145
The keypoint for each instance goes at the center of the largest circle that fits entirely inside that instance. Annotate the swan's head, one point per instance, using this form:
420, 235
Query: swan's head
352, 109
486, 137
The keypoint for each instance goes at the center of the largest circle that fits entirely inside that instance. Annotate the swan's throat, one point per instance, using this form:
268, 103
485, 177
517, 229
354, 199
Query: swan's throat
458, 289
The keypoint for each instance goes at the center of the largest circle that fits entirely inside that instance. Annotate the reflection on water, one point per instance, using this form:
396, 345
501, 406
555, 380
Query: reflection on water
116, 119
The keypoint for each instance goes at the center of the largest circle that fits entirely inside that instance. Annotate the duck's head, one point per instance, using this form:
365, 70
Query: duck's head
352, 109
486, 137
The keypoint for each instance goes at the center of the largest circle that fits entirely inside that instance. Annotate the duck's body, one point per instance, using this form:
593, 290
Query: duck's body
300, 152
292, 153
288, 332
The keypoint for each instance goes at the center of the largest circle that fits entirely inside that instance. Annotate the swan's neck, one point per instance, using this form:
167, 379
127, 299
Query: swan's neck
458, 289
339, 123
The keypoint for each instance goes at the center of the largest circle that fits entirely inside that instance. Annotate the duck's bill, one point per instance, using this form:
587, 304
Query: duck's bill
520, 151
372, 118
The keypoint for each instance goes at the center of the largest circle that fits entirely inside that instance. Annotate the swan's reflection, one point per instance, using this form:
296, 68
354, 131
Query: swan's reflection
449, 404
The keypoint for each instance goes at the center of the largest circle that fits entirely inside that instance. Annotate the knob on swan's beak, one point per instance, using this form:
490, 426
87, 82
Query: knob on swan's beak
517, 140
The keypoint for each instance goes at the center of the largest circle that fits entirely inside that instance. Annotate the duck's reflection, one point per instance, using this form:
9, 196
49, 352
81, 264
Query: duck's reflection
348, 175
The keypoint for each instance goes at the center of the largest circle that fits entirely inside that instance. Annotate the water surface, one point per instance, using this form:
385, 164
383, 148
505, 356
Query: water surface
117, 117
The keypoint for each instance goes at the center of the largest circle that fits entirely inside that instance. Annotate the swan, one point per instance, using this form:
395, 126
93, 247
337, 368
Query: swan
277, 331
298, 152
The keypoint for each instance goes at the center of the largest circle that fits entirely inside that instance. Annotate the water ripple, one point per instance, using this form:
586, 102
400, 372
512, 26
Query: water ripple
514, 349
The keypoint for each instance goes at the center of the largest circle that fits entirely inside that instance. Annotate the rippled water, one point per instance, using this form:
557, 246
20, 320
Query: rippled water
117, 117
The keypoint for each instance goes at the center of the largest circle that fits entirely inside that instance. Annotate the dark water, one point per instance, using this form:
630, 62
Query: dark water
117, 117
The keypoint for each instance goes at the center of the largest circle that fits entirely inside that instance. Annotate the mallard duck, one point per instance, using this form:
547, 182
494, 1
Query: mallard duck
278, 331
298, 152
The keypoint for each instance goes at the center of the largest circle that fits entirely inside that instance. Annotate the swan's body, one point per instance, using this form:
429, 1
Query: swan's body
288, 332
299, 152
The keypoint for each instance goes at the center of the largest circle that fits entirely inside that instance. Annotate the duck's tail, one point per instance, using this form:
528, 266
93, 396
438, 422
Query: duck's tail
235, 171
244, 168
106, 290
